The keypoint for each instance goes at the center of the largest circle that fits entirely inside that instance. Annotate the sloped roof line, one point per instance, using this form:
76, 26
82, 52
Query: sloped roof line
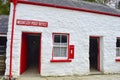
105, 10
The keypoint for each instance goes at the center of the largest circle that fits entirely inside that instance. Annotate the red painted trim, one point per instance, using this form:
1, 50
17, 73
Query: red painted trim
117, 60
69, 8
32, 32
53, 43
12, 38
68, 45
39, 62
24, 54
39, 67
60, 33
60, 60
99, 54
98, 37
94, 36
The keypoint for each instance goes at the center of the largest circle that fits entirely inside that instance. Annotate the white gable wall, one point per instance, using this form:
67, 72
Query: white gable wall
80, 25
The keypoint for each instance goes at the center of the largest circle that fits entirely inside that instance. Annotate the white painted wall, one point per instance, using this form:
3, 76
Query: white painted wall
80, 25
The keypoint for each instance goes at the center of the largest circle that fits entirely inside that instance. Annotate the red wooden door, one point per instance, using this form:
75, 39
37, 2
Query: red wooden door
23, 57
39, 64
24, 53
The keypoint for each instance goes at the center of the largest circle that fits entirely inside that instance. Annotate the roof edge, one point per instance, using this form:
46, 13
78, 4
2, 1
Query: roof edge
66, 7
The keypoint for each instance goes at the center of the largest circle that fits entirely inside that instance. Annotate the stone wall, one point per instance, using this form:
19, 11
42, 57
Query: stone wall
2, 64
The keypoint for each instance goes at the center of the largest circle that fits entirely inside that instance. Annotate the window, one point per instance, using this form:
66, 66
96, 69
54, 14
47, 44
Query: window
60, 46
3, 45
118, 47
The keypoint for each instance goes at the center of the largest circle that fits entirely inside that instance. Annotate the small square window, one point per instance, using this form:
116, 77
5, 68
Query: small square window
60, 46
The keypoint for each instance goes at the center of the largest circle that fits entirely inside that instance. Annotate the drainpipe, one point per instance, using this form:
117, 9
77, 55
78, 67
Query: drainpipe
12, 37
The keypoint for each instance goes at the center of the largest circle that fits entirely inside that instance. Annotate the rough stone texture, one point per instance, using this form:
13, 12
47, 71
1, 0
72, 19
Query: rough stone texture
80, 25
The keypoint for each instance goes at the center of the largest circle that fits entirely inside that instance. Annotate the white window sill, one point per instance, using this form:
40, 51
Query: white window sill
61, 60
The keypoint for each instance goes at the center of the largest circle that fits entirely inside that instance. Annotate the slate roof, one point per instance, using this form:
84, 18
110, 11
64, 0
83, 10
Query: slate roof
3, 23
79, 4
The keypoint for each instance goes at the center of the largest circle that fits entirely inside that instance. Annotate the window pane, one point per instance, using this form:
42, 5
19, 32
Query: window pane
64, 38
60, 45
118, 52
57, 38
63, 51
118, 43
56, 52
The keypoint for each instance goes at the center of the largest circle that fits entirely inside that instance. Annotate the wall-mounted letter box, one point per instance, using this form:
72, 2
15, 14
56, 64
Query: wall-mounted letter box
71, 52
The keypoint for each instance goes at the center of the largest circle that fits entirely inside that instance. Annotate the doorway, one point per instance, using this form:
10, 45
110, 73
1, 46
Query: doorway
94, 53
30, 53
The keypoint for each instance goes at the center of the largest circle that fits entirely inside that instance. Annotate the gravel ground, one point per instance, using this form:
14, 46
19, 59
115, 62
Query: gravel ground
1, 77
89, 77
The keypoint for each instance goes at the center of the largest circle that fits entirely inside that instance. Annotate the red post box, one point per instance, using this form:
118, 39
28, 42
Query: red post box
71, 52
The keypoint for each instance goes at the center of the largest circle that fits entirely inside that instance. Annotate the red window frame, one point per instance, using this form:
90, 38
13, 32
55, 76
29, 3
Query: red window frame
117, 58
60, 60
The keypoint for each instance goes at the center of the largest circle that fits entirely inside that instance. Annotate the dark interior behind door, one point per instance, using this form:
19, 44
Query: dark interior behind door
93, 53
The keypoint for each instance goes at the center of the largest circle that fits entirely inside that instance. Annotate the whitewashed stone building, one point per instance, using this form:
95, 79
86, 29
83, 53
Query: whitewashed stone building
62, 37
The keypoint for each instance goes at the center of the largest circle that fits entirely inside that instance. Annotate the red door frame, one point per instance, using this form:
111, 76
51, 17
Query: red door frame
39, 58
98, 37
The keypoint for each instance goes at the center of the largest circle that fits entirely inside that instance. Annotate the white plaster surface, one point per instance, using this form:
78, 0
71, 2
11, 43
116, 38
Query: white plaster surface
80, 25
